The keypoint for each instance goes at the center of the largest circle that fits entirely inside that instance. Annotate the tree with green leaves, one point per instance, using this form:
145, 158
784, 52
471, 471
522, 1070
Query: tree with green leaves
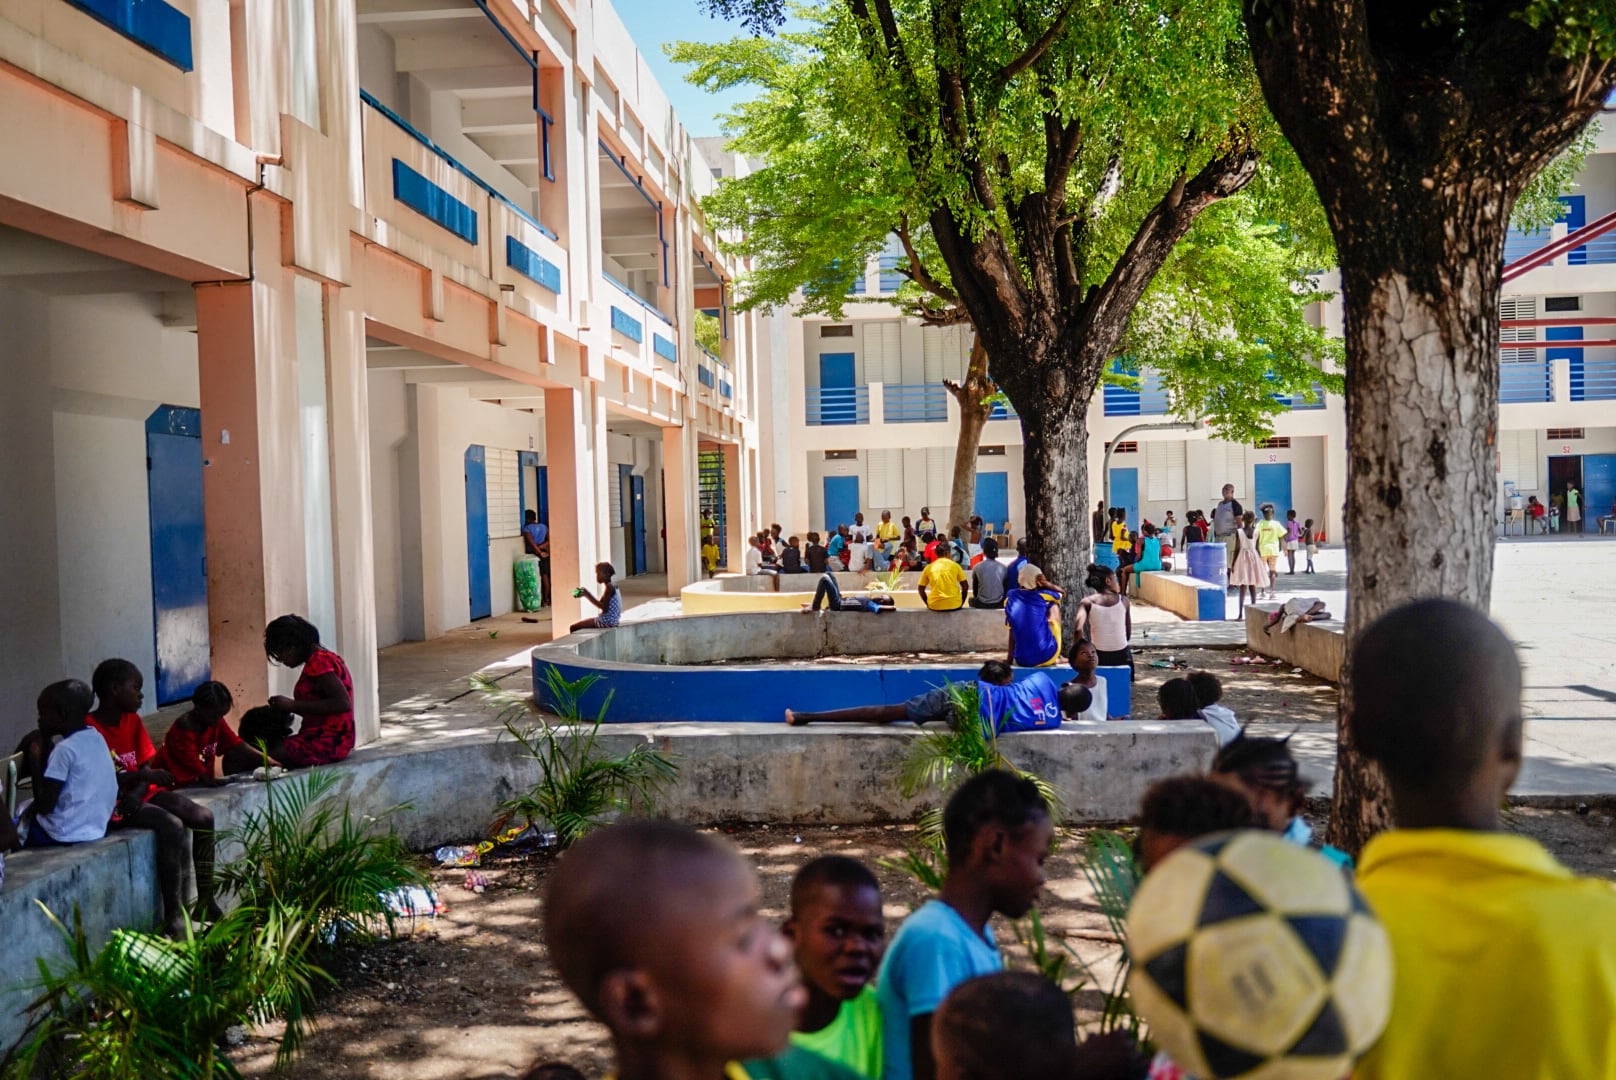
1040, 163
1422, 123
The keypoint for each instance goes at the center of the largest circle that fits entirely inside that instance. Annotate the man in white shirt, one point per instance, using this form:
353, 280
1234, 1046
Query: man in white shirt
754, 563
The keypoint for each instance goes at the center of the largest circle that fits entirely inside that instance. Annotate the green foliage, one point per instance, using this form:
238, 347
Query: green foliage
582, 785
1052, 956
709, 333
1154, 93
1109, 867
1539, 205
306, 857
143, 1006
926, 864
1225, 324
309, 876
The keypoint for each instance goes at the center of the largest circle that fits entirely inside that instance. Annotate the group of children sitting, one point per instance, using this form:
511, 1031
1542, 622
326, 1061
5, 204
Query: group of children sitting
1505, 962
94, 766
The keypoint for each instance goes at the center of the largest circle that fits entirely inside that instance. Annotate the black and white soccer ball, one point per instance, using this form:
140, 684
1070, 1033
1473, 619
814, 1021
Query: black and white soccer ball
1255, 958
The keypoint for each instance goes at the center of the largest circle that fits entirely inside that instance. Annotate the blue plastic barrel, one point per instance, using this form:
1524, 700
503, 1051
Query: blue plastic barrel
1209, 562
1105, 556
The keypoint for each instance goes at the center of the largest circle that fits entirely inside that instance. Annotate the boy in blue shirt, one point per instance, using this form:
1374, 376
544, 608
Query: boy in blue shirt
1033, 704
997, 830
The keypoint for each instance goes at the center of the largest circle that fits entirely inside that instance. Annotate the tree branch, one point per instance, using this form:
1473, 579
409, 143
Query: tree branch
1033, 53
917, 271
1167, 222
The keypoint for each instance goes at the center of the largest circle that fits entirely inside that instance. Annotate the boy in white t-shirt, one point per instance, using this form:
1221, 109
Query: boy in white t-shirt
76, 787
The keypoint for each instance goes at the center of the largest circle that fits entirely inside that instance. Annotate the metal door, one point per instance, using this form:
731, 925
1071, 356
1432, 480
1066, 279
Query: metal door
477, 579
178, 555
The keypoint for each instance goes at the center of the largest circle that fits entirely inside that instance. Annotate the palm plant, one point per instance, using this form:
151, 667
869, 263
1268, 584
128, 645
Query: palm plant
145, 1006
582, 785
307, 859
1109, 866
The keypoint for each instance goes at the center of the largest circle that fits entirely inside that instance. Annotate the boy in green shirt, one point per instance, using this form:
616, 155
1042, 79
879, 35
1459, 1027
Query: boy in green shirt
839, 934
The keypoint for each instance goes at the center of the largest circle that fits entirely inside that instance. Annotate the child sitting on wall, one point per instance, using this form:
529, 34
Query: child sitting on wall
201, 737
75, 782
323, 696
655, 927
145, 800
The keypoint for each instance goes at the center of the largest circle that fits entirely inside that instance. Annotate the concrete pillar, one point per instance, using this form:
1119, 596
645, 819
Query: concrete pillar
353, 540
575, 454
251, 479
681, 495
734, 508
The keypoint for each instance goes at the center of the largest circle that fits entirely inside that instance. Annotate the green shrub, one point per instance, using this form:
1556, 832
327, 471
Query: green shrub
581, 785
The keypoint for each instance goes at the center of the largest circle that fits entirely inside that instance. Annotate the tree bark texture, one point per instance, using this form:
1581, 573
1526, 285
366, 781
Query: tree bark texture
970, 394
1419, 139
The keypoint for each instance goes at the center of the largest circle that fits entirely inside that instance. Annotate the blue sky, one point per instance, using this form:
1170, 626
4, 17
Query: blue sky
655, 22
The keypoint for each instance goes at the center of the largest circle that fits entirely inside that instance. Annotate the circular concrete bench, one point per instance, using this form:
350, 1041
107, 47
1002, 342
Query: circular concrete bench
757, 592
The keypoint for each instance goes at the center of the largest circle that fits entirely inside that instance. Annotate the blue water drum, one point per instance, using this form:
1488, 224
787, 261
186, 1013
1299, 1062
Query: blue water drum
1209, 562
1105, 556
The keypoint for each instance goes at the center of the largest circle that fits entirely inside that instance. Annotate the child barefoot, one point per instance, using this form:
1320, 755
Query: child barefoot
201, 737
998, 831
143, 799
655, 927
323, 696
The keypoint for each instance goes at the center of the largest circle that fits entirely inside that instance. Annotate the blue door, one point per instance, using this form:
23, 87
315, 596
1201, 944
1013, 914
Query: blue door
1125, 494
1273, 485
1575, 216
841, 501
625, 510
993, 498
838, 400
178, 556
482, 597
639, 525
1598, 489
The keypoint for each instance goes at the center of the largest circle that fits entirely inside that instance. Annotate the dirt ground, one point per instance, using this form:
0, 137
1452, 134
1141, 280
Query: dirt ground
470, 994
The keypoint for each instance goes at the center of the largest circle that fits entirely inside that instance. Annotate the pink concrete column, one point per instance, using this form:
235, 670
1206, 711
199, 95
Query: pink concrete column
572, 537
251, 486
735, 517
679, 496
348, 406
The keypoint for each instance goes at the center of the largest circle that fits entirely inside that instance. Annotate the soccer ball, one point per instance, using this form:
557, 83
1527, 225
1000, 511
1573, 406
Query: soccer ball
1256, 958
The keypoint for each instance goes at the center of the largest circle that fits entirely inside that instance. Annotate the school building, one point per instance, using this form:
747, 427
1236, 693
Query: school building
863, 422
307, 301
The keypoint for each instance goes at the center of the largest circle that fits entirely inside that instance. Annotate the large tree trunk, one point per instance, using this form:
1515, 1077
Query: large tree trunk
1055, 485
1422, 421
1419, 135
970, 394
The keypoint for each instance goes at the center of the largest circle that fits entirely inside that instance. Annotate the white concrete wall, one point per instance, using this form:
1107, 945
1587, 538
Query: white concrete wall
389, 432
82, 375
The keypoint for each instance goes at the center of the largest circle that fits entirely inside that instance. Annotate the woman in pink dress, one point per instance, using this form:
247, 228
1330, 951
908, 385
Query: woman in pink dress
1248, 571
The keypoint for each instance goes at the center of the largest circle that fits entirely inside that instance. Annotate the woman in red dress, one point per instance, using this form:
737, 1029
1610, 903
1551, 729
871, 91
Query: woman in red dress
323, 696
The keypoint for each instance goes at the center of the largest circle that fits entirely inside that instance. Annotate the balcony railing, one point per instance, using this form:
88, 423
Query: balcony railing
914, 403
838, 405
1003, 410
1297, 402
1593, 380
1525, 382
1149, 400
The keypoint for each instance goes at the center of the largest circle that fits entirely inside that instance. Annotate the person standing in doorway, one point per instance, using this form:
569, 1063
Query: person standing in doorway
536, 538
1573, 509
1226, 517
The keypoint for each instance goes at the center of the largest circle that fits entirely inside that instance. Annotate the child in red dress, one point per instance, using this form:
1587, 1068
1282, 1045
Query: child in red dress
202, 737
323, 696
144, 802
